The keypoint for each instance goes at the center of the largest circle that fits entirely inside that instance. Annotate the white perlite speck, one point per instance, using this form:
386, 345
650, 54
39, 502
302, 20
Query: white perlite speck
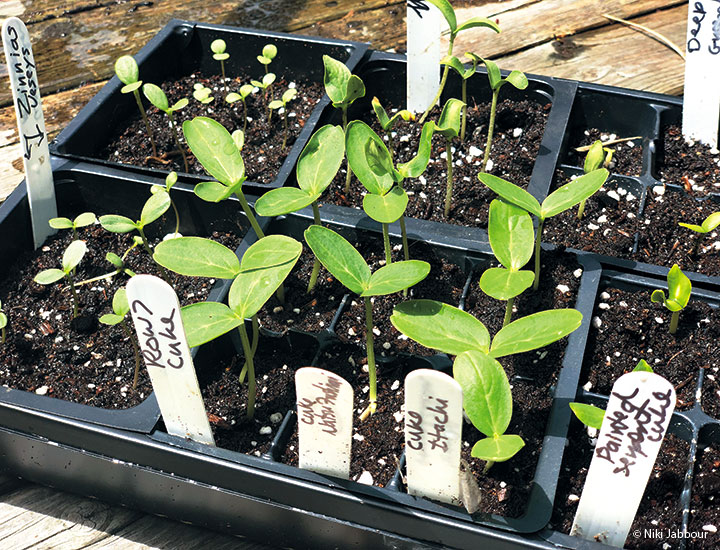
659, 320
659, 190
563, 288
577, 273
276, 418
42, 390
265, 430
517, 132
395, 385
573, 498
597, 322
365, 478
604, 296
474, 151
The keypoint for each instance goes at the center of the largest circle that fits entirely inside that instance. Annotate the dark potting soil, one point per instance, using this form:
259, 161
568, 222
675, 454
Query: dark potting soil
519, 127
660, 506
627, 155
262, 153
608, 225
225, 397
444, 283
662, 241
82, 361
704, 501
710, 398
627, 327
694, 166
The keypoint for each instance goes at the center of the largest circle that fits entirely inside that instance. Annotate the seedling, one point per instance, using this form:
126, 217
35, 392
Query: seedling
511, 234
347, 265
678, 296
120, 310
264, 85
373, 165
316, 168
343, 88
262, 270
158, 98
269, 52
486, 391
3, 325
387, 123
457, 65
243, 93
238, 137
170, 181
219, 54
127, 71
449, 126
449, 14
708, 224
286, 98
556, 202
597, 156
82, 220
71, 258
117, 262
517, 79
202, 93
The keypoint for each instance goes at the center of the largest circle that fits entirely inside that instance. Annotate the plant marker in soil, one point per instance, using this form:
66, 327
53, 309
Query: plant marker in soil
701, 103
155, 312
31, 126
325, 411
423, 53
636, 419
433, 430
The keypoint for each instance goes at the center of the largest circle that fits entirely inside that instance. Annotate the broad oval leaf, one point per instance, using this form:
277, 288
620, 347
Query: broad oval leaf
214, 147
487, 398
447, 11
450, 118
474, 22
535, 331
213, 191
126, 69
386, 208
3, 320
205, 321
72, 255
117, 224
84, 219
154, 207
275, 104
180, 104
339, 257
197, 257
417, 165
120, 303
156, 96
693, 227
111, 319
49, 276
283, 201
221, 56
590, 415
268, 79
503, 284
511, 233
440, 326
355, 89
711, 222
679, 286
232, 97
335, 79
320, 160
269, 51
60, 223
573, 193
498, 449
131, 87
357, 136
114, 259
218, 46
271, 251
396, 277
511, 193
517, 79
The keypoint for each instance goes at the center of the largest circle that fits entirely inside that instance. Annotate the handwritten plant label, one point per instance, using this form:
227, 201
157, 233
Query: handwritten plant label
423, 54
155, 312
325, 417
31, 127
701, 103
636, 419
433, 429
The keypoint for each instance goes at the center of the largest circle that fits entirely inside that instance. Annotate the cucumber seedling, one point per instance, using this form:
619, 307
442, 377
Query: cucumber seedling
158, 98
127, 71
708, 225
455, 64
82, 220
448, 125
121, 308
71, 258
170, 181
264, 85
678, 296
241, 95
286, 98
388, 122
219, 54
597, 157
269, 52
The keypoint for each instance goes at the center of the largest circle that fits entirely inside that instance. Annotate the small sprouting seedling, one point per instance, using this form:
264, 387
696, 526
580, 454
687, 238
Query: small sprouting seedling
343, 88
708, 224
317, 166
449, 14
158, 98
263, 268
678, 296
202, 93
82, 220
387, 123
219, 54
448, 125
117, 262
120, 310
242, 94
592, 416
71, 258
347, 265
556, 202
269, 52
457, 65
486, 391
3, 325
597, 157
511, 234
286, 98
170, 181
127, 71
264, 85
373, 165
517, 79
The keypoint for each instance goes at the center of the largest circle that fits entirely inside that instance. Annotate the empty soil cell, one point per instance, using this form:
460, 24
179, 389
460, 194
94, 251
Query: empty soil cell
704, 500
627, 327
519, 128
626, 158
663, 242
694, 166
710, 397
262, 153
660, 506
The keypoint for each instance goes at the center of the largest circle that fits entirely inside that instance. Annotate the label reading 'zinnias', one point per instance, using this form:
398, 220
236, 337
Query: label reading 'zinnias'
423, 54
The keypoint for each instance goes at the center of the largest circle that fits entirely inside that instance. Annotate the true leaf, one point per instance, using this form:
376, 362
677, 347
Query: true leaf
205, 321
573, 193
156, 96
535, 331
155, 207
386, 208
339, 257
214, 147
511, 193
321, 159
589, 415
396, 276
499, 448
197, 257
503, 284
511, 234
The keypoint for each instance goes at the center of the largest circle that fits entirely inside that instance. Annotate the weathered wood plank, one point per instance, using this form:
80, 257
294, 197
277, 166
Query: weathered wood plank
10, 483
615, 55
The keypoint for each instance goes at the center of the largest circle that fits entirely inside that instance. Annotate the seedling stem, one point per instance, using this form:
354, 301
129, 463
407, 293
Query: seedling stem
372, 373
536, 282
247, 349
386, 243
316, 264
448, 158
491, 128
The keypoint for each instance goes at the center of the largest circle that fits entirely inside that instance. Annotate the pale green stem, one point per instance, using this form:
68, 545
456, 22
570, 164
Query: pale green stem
386, 243
448, 192
442, 83
245, 117
465, 109
177, 217
222, 69
146, 245
250, 216
581, 209
372, 372
316, 264
285, 124
74, 295
406, 248
177, 141
145, 120
247, 349
538, 238
253, 346
674, 321
508, 311
488, 465
348, 176
491, 129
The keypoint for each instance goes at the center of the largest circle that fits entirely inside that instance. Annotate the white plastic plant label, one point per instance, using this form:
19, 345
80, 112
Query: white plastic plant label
433, 430
325, 420
634, 426
701, 95
155, 312
31, 127
423, 54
